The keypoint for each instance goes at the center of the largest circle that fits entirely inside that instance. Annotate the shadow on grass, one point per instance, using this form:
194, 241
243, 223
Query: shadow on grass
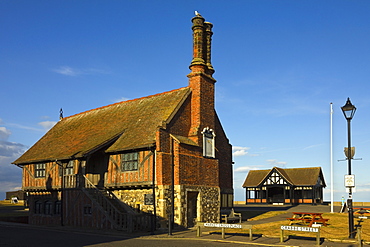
255, 236
301, 238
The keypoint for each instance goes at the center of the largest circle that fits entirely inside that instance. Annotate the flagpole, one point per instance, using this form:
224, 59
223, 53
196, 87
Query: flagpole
331, 161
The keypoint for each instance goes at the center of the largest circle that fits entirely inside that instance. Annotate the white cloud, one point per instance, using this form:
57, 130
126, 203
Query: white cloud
245, 169
10, 175
4, 133
276, 163
66, 70
47, 124
69, 71
312, 146
240, 151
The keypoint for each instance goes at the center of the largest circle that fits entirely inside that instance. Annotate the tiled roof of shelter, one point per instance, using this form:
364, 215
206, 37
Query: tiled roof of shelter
124, 125
296, 176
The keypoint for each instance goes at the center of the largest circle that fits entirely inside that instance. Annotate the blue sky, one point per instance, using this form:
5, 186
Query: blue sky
279, 65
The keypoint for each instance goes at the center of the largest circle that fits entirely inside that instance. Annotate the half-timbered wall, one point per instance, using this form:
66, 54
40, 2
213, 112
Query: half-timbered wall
118, 177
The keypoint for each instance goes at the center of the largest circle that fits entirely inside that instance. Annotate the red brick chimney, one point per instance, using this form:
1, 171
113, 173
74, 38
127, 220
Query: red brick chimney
200, 79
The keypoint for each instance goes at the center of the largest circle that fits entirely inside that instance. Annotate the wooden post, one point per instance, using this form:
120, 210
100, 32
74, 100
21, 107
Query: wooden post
359, 230
223, 232
199, 231
318, 237
281, 236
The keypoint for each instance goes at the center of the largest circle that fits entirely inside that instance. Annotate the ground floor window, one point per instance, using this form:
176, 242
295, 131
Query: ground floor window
87, 210
48, 208
38, 207
58, 207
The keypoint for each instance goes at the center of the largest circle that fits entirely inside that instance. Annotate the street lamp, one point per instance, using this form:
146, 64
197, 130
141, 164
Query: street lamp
349, 111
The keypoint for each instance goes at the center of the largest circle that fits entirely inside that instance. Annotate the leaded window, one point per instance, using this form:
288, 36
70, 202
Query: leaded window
38, 207
40, 170
48, 208
58, 207
130, 161
69, 168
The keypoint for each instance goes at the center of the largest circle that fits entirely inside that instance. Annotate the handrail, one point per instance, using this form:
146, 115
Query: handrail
125, 221
113, 213
127, 208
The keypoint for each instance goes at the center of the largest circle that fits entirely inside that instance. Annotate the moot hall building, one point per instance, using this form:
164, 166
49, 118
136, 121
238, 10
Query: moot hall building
117, 165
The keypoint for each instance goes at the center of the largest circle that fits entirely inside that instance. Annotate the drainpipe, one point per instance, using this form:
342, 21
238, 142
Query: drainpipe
154, 220
172, 214
62, 193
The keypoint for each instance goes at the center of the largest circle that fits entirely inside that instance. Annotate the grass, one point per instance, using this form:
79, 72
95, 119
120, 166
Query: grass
337, 227
268, 214
8, 210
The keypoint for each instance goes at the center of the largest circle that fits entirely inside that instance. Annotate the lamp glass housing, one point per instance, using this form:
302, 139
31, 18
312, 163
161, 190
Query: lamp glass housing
348, 110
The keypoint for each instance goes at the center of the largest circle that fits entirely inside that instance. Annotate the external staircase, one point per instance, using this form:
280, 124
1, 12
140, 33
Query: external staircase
121, 216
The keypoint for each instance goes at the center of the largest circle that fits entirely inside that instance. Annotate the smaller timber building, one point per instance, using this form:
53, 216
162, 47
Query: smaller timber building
285, 186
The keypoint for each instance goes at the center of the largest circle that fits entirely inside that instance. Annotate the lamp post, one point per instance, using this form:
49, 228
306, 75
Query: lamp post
349, 111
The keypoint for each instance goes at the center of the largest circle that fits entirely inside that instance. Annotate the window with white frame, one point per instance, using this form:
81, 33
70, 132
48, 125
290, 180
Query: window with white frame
208, 143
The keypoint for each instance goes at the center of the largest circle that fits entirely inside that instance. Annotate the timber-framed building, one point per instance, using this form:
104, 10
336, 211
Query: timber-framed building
285, 186
118, 165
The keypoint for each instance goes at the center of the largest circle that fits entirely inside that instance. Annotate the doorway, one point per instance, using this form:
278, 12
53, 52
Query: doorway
192, 210
276, 195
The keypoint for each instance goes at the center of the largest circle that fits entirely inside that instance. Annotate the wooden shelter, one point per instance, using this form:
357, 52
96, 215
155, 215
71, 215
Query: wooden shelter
285, 186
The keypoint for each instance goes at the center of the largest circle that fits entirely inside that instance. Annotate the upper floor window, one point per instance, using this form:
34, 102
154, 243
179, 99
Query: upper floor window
40, 170
130, 161
208, 143
68, 168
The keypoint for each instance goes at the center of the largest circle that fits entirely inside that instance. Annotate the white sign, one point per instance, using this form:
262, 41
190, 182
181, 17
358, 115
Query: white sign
349, 180
300, 228
222, 225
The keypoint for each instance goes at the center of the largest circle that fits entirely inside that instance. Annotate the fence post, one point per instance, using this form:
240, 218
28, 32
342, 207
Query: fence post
359, 230
223, 232
281, 235
199, 233
318, 237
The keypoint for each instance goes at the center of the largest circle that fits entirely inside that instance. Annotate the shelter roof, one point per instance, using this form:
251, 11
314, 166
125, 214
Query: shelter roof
295, 176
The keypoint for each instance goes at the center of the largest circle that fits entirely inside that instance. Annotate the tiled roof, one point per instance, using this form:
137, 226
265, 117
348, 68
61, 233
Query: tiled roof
125, 125
295, 176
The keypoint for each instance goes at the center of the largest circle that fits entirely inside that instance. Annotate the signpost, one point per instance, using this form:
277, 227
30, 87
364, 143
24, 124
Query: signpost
300, 229
223, 226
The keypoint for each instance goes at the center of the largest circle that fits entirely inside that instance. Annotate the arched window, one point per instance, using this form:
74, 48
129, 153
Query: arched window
208, 143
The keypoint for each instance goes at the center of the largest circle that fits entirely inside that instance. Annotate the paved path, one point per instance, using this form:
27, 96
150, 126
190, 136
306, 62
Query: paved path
39, 235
